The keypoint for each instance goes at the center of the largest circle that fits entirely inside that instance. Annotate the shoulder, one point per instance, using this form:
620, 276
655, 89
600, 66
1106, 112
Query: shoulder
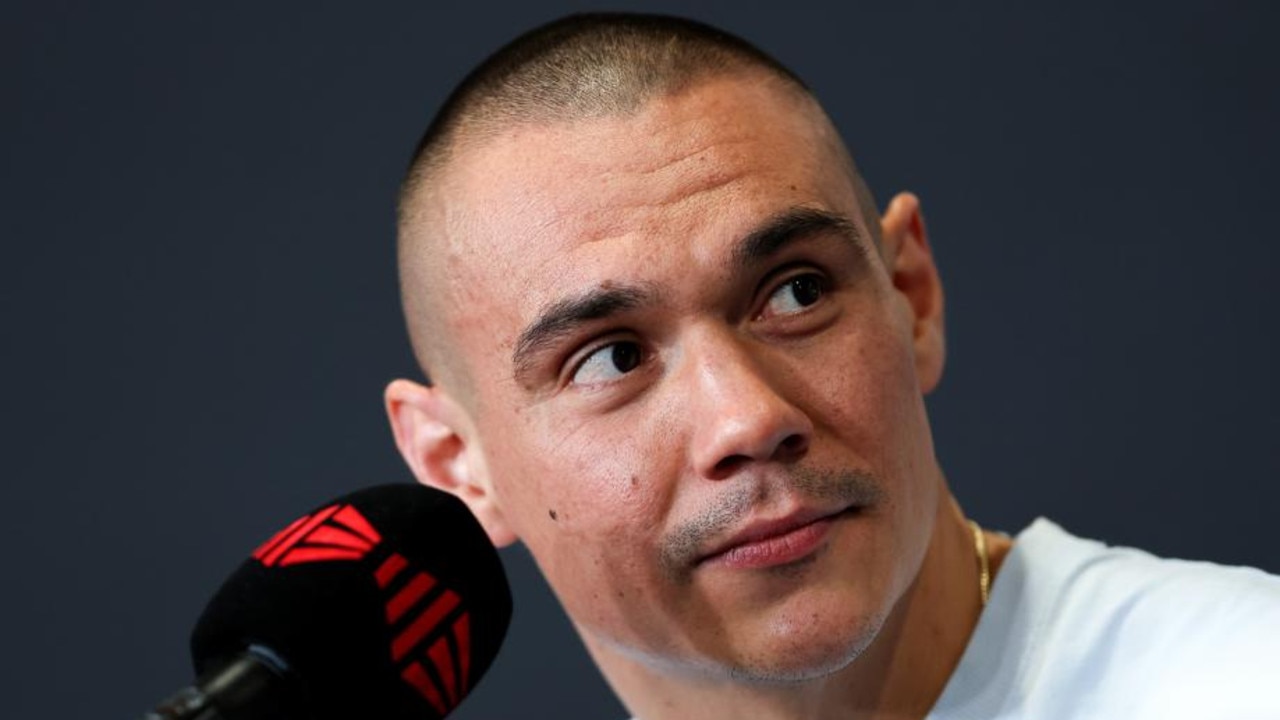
1087, 579
1166, 635
1079, 629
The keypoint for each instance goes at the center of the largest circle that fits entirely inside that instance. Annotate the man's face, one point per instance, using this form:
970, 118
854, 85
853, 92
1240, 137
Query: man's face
692, 382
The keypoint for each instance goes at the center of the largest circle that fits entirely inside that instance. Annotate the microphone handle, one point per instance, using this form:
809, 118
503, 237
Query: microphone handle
250, 687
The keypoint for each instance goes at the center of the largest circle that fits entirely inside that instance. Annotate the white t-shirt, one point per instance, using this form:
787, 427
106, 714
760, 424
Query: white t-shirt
1076, 629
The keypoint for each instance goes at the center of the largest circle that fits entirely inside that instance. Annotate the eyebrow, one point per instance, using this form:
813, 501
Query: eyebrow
788, 226
565, 316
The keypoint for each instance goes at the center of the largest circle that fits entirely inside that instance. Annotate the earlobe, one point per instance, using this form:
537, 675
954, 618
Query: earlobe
431, 432
915, 278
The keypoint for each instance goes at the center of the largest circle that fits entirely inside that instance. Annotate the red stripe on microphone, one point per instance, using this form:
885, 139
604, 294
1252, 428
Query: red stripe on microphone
389, 569
298, 534
318, 554
439, 654
408, 596
340, 536
423, 625
462, 633
352, 518
266, 547
416, 676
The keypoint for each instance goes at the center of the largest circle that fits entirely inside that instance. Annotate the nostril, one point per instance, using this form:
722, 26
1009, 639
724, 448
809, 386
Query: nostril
728, 465
792, 447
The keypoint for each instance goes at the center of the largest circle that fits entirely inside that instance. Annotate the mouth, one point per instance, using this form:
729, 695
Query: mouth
772, 543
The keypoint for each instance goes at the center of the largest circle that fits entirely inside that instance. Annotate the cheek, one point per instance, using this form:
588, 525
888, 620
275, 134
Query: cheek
870, 403
590, 501
592, 474
579, 493
863, 390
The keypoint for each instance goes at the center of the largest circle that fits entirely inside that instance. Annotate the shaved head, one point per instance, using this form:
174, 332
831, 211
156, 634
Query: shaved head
574, 69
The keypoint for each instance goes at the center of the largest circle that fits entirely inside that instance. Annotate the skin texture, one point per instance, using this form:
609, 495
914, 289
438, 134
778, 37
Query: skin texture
717, 387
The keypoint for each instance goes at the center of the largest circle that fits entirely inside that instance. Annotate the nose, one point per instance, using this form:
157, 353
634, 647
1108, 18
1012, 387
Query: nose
739, 410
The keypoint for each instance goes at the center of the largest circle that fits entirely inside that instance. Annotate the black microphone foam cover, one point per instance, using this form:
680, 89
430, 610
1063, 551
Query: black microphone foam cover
388, 603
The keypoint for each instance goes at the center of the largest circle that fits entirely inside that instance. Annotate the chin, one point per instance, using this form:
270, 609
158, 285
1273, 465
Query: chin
799, 655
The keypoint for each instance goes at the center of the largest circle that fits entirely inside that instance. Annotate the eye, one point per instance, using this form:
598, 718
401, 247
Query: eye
796, 294
608, 362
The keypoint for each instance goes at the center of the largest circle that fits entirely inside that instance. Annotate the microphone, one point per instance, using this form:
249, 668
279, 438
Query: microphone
386, 603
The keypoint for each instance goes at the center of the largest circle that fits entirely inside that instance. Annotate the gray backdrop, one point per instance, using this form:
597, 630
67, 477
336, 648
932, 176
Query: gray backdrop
199, 304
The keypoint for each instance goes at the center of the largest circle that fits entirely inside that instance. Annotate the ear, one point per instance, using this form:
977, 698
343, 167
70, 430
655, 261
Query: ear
431, 431
915, 277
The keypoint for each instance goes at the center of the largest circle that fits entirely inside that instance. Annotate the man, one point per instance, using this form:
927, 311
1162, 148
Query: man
676, 351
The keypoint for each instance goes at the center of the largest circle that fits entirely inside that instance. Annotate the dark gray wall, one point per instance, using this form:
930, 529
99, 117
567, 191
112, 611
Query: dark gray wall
199, 307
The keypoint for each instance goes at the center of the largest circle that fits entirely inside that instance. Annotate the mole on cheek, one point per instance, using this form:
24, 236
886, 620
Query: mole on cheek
552, 514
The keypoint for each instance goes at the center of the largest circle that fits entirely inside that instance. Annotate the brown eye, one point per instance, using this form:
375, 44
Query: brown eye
625, 357
608, 362
796, 294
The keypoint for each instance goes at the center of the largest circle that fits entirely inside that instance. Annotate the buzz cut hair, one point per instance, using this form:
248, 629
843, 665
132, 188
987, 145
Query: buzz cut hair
578, 67
581, 66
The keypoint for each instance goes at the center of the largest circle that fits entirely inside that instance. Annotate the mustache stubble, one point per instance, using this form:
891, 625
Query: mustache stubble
681, 548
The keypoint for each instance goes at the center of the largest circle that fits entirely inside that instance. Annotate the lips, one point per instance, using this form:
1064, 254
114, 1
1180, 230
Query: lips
775, 542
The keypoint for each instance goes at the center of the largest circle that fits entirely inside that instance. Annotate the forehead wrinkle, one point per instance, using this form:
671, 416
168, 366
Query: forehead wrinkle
621, 216
687, 147
710, 157
688, 152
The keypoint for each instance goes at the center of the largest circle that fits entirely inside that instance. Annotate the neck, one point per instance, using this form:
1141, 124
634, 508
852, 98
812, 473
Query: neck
899, 675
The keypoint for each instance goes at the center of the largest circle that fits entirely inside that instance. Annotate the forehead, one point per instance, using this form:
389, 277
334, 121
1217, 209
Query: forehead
541, 211
585, 176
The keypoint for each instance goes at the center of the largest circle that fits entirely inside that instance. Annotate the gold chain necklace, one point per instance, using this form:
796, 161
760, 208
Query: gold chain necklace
984, 562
